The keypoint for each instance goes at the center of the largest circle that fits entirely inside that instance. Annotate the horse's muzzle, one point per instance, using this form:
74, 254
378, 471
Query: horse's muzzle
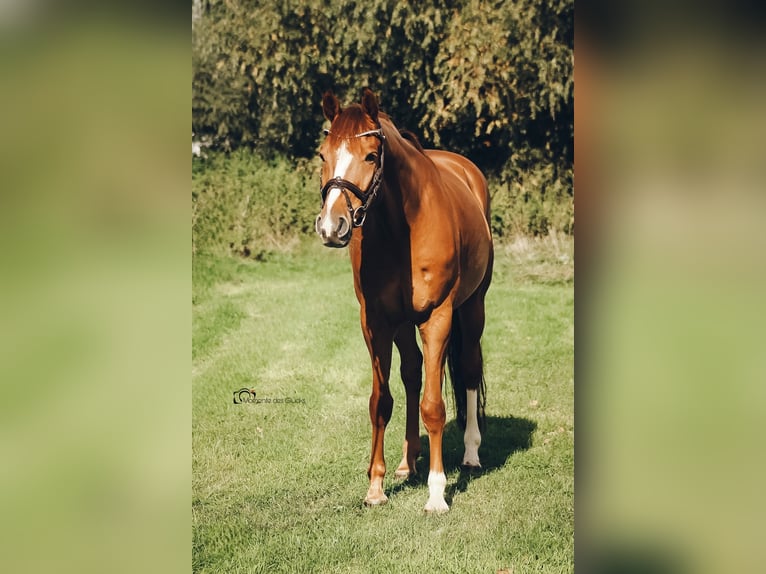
333, 233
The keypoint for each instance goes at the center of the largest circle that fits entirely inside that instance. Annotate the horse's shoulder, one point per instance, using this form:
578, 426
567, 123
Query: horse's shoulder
461, 174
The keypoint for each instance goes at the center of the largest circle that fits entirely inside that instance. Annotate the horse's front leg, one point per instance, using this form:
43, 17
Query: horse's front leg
435, 335
379, 338
412, 375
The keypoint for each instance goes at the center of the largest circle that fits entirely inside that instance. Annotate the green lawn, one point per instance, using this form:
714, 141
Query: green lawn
279, 487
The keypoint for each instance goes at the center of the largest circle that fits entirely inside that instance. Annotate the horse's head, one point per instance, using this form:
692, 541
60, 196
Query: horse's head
352, 167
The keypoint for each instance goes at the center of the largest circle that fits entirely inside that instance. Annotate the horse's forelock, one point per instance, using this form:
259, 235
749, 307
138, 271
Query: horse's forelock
351, 121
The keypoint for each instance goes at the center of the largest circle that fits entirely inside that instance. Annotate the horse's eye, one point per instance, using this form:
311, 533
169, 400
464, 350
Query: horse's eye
371, 157
321, 157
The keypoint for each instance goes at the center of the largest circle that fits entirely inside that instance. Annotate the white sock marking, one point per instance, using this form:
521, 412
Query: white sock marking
472, 437
436, 483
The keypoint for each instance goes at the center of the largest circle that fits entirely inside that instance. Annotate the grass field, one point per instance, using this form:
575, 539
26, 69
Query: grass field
279, 487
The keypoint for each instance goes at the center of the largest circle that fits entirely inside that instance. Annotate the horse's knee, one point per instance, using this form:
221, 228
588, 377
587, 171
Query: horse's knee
381, 407
434, 414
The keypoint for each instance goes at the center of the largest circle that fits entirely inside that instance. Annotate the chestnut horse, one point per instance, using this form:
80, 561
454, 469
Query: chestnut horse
416, 223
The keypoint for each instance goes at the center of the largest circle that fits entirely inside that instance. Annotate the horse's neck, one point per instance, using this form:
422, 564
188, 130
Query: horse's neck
405, 166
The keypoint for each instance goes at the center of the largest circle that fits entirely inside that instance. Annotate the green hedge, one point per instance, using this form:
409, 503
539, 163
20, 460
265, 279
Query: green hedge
244, 204
250, 206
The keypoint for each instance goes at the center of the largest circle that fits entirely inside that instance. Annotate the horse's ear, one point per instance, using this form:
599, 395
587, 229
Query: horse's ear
370, 104
330, 105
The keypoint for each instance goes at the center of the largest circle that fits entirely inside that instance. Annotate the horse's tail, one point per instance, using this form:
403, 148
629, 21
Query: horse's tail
454, 353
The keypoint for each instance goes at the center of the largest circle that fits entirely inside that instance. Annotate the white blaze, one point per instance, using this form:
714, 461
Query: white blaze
344, 161
329, 225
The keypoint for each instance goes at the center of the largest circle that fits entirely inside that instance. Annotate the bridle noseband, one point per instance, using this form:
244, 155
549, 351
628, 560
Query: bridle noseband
359, 214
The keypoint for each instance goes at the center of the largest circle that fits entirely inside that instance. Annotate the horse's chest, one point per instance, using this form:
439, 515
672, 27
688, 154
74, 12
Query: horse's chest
400, 295
405, 285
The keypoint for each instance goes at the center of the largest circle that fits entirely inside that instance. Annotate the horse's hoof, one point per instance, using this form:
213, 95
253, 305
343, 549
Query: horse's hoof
375, 500
403, 473
436, 506
471, 467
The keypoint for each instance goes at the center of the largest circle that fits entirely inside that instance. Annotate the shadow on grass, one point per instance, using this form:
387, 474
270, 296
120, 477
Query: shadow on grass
501, 437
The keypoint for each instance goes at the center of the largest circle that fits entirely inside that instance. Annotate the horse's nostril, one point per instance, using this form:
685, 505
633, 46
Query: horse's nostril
317, 222
343, 227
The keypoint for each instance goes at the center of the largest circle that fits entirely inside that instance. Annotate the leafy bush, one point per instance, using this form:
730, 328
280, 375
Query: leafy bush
245, 204
532, 198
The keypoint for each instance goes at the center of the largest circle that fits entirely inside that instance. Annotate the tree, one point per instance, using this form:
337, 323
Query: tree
491, 80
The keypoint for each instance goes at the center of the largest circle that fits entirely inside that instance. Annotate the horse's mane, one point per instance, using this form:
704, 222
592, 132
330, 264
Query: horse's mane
412, 138
406, 134
353, 120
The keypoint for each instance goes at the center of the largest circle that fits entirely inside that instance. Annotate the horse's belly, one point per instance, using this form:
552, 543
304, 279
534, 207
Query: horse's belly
475, 262
430, 288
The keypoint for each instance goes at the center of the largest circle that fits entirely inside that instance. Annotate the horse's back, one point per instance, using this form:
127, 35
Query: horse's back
456, 166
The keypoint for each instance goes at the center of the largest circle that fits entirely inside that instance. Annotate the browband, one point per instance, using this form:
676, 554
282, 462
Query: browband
378, 133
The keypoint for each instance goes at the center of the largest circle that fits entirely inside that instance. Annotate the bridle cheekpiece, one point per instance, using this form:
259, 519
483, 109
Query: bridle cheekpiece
359, 214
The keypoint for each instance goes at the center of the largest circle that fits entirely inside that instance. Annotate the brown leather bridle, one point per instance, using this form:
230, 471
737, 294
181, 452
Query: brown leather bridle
359, 214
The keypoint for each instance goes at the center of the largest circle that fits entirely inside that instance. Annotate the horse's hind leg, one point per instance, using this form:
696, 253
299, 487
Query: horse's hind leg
412, 376
471, 316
